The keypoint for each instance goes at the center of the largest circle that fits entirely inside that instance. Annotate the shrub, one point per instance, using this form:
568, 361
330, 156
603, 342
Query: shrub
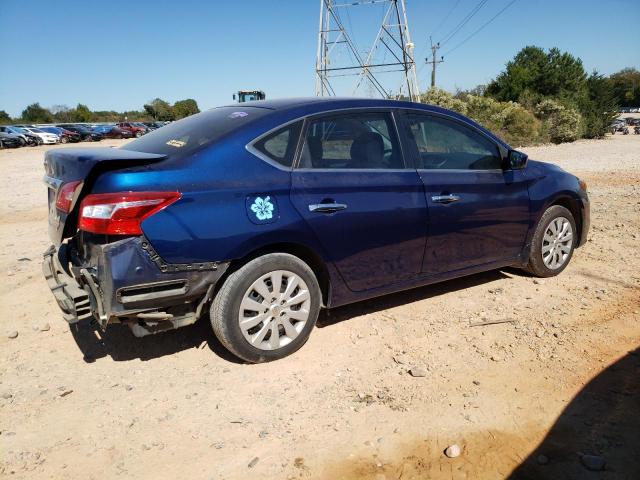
561, 123
441, 98
508, 119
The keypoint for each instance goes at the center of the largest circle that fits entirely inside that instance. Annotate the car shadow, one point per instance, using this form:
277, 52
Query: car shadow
602, 421
119, 343
340, 314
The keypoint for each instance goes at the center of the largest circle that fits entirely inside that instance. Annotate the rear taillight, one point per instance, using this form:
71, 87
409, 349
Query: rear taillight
65, 196
121, 213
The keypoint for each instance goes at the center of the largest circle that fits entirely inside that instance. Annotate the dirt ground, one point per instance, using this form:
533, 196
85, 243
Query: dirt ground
523, 399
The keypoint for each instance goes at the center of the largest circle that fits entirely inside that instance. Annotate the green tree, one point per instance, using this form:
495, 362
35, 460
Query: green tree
81, 114
533, 72
4, 117
599, 108
61, 113
184, 108
626, 87
159, 109
34, 113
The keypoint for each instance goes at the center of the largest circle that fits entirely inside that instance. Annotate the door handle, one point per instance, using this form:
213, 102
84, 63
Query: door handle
445, 198
327, 207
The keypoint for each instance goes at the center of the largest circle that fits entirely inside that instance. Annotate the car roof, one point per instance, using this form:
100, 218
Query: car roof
314, 105
329, 103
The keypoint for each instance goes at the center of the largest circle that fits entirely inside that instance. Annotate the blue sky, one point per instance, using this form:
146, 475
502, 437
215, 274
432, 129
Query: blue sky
118, 54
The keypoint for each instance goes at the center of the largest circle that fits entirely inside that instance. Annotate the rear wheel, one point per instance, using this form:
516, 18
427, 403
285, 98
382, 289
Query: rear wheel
266, 309
553, 242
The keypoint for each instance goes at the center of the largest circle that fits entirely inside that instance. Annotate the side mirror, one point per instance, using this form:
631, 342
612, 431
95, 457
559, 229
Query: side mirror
516, 160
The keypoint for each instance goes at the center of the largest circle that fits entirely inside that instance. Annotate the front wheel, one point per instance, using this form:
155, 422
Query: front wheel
138, 134
64, 139
266, 309
553, 242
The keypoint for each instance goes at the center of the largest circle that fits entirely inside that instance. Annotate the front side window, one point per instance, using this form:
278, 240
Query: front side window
280, 146
448, 145
357, 140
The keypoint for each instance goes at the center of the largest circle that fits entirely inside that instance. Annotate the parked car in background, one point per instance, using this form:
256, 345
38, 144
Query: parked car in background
86, 134
10, 140
47, 138
110, 131
290, 218
24, 139
136, 130
65, 136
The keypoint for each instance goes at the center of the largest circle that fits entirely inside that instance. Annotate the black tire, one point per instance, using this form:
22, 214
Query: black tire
225, 308
22, 142
64, 139
138, 134
536, 264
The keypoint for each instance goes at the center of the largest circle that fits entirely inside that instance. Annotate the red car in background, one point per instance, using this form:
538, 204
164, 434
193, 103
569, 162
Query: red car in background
136, 130
109, 131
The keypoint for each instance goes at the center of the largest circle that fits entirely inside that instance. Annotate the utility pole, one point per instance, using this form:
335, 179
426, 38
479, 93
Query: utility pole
433, 61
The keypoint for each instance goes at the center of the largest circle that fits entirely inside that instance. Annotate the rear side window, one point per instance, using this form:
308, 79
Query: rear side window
352, 141
182, 138
448, 145
280, 146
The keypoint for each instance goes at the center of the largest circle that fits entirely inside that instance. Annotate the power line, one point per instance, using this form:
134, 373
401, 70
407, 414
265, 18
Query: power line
446, 17
463, 22
481, 27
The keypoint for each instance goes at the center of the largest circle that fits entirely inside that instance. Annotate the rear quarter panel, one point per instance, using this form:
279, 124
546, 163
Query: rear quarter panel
212, 221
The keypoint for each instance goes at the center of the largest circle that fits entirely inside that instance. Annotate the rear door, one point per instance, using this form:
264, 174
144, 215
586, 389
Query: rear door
478, 212
367, 210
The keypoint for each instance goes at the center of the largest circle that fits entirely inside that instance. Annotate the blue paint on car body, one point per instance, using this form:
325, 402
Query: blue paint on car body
392, 236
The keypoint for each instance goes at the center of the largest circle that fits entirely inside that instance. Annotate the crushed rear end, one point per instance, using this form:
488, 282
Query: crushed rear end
111, 272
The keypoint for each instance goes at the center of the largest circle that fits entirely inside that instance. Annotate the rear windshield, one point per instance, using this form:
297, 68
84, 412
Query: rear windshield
185, 136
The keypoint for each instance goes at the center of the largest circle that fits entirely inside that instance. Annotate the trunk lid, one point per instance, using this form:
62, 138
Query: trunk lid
81, 164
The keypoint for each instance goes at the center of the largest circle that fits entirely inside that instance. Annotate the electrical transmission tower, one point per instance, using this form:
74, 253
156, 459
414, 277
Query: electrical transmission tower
392, 51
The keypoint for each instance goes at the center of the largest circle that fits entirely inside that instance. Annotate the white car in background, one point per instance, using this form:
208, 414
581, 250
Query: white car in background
47, 138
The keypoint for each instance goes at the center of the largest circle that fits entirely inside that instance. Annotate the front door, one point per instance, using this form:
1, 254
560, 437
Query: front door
367, 210
478, 212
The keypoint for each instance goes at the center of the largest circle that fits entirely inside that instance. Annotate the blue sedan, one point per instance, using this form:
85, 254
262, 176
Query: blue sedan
260, 214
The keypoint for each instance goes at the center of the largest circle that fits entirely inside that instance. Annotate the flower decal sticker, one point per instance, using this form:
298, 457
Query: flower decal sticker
263, 208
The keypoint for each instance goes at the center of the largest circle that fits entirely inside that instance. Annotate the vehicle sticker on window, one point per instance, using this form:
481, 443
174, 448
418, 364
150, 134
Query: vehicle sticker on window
176, 143
238, 114
262, 209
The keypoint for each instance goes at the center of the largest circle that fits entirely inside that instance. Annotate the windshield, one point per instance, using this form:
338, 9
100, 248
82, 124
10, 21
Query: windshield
183, 137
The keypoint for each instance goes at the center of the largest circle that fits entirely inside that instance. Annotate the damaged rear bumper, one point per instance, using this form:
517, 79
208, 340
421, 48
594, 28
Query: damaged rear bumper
127, 282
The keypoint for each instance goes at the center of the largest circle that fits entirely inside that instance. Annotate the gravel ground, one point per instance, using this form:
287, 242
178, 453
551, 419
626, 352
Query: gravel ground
550, 393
